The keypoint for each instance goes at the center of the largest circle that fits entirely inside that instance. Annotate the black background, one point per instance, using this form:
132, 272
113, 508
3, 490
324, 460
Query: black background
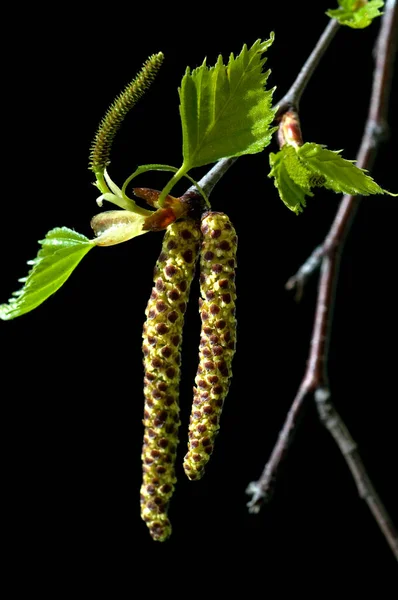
72, 397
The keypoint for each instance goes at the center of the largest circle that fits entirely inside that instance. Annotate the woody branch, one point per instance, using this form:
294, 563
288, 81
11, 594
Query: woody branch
315, 380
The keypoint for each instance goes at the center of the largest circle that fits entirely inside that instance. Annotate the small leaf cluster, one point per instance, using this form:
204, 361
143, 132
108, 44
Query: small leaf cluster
357, 14
297, 170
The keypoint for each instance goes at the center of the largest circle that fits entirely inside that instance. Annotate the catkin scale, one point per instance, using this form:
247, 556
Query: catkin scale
217, 340
162, 336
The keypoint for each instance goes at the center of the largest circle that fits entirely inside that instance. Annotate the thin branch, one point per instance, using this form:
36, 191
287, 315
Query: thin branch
261, 490
376, 130
337, 428
299, 279
291, 100
212, 177
315, 379
315, 375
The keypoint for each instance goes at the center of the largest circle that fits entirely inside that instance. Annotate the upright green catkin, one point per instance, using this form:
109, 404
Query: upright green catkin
217, 341
162, 336
114, 116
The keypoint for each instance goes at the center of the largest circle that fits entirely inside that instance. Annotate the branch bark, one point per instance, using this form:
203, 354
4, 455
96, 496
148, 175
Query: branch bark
291, 99
347, 446
315, 380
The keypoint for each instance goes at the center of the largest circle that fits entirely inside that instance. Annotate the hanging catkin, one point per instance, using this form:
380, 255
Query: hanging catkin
217, 341
162, 335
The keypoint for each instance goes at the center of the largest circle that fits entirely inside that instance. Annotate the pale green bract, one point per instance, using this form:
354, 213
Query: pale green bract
225, 110
61, 251
357, 14
116, 226
297, 170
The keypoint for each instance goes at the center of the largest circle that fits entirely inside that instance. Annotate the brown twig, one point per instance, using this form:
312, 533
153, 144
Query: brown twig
316, 378
291, 99
337, 428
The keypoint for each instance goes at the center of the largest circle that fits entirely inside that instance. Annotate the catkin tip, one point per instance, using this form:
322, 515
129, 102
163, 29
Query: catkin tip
114, 116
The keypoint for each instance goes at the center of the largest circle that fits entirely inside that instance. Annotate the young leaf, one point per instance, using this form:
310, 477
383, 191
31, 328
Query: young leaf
291, 192
340, 175
61, 251
356, 13
225, 110
296, 169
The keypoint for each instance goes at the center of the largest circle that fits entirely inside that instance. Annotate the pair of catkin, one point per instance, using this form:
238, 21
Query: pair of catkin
216, 242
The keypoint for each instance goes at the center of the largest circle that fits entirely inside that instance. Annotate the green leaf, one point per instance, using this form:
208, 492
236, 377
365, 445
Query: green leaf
340, 175
356, 13
61, 251
290, 191
225, 110
296, 169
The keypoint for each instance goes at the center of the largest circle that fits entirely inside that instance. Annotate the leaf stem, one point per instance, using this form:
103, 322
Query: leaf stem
169, 186
179, 173
101, 183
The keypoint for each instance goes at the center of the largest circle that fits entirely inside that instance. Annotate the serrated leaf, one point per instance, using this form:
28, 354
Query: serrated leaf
225, 110
296, 169
340, 175
290, 192
62, 250
116, 226
357, 14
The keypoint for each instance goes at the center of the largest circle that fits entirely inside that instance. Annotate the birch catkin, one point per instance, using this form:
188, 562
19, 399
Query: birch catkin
218, 337
162, 335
